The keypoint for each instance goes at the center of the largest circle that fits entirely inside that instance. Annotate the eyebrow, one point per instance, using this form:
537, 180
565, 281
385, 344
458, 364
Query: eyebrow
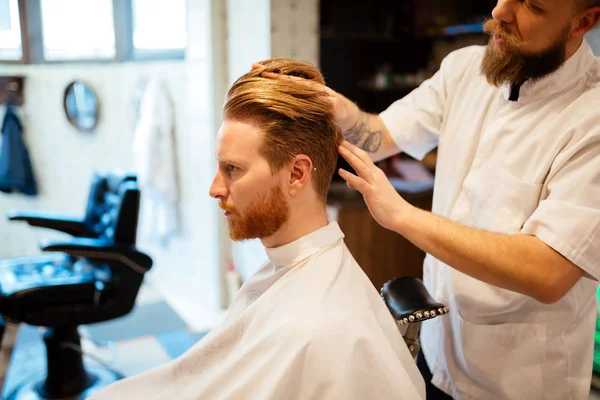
225, 160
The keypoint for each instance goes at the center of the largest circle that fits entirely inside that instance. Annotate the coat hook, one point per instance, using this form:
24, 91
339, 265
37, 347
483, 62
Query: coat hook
12, 90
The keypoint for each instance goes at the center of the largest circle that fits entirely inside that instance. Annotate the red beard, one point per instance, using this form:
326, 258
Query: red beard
262, 219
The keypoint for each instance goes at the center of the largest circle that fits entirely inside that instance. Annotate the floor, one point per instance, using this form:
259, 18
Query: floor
150, 335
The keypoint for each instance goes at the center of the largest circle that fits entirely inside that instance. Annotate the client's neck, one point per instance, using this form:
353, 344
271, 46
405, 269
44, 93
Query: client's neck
302, 222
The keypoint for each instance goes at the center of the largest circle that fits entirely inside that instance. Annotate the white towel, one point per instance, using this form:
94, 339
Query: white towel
156, 165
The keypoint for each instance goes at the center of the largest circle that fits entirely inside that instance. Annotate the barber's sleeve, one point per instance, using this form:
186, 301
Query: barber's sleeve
568, 218
415, 121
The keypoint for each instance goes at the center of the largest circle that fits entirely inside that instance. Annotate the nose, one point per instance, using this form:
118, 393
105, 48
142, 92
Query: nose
504, 11
218, 188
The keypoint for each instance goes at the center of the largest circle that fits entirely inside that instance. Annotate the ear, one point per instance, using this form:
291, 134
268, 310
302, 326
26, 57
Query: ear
301, 169
586, 22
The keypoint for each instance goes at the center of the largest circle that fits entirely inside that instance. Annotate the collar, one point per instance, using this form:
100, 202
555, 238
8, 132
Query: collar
306, 246
573, 69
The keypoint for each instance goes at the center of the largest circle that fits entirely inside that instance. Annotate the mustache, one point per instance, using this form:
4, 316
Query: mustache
227, 207
494, 27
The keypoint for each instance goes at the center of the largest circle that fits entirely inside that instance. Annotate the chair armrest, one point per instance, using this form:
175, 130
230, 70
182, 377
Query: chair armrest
65, 224
101, 249
409, 301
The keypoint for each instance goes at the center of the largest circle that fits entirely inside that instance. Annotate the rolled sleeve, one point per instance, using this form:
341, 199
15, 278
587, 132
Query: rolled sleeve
572, 231
568, 218
415, 121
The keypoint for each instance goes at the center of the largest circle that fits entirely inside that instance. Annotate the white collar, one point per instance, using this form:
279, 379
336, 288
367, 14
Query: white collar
573, 69
306, 246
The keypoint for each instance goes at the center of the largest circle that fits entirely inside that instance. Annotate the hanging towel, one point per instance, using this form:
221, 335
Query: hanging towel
16, 172
155, 164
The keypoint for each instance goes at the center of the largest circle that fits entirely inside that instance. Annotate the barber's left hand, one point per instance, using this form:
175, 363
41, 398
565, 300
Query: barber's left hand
385, 204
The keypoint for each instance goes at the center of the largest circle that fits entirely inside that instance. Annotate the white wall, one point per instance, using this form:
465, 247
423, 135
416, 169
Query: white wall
248, 35
295, 29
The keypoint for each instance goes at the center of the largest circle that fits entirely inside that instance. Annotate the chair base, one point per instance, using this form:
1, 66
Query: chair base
98, 378
66, 376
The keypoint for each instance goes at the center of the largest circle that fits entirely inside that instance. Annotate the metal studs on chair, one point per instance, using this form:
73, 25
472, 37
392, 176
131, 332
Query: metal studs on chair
423, 315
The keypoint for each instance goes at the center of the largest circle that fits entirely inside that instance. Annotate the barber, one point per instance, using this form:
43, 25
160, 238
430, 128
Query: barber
513, 239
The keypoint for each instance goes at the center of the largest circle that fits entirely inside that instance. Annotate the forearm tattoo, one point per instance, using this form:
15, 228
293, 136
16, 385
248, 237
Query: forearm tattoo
361, 136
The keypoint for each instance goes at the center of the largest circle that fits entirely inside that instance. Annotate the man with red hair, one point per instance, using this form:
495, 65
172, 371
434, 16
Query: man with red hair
309, 324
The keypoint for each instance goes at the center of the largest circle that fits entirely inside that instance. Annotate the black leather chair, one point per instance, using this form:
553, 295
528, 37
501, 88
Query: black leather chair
95, 277
410, 304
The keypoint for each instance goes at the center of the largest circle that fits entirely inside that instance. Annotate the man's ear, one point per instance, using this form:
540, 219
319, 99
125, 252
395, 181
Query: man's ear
301, 169
586, 22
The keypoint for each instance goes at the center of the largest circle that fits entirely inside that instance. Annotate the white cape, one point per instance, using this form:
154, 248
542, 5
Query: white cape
320, 331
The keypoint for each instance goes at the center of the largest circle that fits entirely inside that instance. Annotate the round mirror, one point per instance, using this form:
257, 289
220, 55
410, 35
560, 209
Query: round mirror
81, 106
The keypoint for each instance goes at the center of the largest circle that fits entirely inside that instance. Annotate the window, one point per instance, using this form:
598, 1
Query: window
158, 27
10, 31
39, 31
76, 29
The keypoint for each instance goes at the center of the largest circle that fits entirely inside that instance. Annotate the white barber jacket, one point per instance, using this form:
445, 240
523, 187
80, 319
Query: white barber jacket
308, 325
530, 166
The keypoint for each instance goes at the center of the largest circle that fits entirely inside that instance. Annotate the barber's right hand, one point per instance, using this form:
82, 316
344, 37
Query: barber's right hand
345, 112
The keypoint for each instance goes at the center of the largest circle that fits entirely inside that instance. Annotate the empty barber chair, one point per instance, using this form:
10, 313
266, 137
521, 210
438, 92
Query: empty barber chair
95, 276
410, 304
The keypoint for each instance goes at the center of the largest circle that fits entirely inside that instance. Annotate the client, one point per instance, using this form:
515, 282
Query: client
309, 324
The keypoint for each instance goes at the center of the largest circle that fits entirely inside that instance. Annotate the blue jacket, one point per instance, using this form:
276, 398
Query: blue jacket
16, 173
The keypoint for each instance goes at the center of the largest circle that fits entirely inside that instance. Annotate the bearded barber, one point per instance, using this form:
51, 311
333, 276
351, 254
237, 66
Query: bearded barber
513, 239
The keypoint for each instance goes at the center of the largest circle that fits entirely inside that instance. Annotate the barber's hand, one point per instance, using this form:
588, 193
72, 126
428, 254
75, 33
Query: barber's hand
385, 204
345, 112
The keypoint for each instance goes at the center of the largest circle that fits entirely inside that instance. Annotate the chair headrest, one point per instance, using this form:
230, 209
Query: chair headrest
113, 206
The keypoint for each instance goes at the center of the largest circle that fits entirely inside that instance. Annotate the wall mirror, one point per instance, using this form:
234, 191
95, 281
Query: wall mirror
81, 106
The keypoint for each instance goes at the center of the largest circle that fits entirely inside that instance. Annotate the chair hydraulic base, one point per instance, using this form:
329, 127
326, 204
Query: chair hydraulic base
66, 377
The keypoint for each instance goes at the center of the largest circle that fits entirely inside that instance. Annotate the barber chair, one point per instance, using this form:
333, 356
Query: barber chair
410, 304
95, 276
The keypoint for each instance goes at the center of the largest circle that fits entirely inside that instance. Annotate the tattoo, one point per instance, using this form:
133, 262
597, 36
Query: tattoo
360, 135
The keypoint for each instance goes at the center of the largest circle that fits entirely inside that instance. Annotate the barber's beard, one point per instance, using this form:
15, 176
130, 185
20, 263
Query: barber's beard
262, 219
508, 64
